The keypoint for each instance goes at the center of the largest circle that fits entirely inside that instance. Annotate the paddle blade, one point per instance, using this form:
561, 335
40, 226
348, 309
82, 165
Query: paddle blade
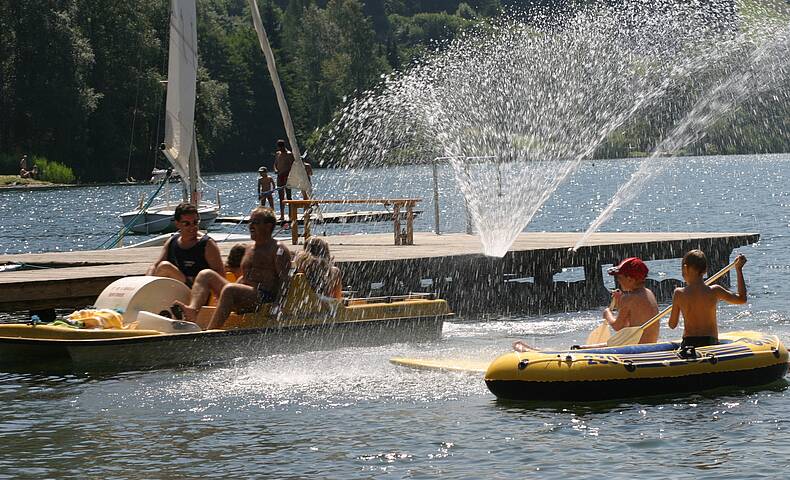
625, 336
600, 335
453, 365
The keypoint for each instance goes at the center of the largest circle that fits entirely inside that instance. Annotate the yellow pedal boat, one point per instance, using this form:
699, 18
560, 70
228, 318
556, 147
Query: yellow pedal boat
149, 339
741, 359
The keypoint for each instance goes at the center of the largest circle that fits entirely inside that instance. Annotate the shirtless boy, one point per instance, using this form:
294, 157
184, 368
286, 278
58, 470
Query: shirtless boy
264, 267
265, 187
636, 304
697, 301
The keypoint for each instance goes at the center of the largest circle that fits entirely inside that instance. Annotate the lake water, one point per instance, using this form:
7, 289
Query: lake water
348, 413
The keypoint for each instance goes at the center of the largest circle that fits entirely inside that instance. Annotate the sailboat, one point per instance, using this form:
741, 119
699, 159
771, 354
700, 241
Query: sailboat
180, 146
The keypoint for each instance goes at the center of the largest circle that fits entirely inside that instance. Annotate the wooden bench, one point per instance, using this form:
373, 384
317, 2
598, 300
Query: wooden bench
396, 203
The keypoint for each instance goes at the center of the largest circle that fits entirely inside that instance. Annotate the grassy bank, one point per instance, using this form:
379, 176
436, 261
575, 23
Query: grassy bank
16, 180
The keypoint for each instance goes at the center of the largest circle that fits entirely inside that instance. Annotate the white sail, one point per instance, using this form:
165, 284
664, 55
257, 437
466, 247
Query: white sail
298, 177
181, 92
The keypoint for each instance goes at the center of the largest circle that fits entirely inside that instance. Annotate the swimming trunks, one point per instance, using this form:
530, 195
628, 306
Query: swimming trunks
702, 341
282, 179
264, 295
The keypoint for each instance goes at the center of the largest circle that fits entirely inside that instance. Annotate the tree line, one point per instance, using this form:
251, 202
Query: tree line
81, 81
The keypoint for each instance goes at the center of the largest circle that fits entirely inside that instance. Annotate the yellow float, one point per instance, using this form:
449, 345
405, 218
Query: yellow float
741, 359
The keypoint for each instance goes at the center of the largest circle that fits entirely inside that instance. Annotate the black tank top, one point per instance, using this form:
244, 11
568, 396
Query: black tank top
191, 260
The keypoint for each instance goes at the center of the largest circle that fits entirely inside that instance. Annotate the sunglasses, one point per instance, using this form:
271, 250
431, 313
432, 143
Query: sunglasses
187, 223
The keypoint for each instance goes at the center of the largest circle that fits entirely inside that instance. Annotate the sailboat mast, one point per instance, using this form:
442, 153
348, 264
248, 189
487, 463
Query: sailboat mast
194, 172
298, 177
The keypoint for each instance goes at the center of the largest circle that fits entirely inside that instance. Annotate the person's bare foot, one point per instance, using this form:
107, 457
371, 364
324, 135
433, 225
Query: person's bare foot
188, 313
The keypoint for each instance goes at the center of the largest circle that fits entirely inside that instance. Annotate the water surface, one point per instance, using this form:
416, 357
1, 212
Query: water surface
348, 413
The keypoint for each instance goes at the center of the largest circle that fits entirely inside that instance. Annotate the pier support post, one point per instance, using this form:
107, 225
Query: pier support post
543, 275
593, 280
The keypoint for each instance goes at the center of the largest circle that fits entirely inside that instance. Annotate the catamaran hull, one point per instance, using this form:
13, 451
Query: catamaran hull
160, 219
208, 347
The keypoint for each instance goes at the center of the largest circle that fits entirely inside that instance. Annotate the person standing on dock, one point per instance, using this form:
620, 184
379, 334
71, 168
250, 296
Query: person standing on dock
283, 161
187, 253
265, 188
265, 267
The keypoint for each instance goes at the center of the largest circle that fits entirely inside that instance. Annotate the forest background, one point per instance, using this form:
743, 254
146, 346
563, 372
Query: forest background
81, 80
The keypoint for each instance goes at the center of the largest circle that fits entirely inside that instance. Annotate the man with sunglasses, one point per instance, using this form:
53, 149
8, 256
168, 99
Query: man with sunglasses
187, 253
264, 267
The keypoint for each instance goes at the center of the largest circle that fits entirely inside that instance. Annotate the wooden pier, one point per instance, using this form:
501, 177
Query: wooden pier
452, 265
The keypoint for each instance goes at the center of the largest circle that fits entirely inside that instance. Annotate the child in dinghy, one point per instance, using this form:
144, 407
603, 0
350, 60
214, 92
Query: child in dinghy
697, 301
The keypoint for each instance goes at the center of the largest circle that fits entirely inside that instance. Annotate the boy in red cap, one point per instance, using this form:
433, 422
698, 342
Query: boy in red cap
697, 301
636, 304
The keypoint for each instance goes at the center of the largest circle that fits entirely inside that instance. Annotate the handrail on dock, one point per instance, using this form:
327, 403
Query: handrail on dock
406, 238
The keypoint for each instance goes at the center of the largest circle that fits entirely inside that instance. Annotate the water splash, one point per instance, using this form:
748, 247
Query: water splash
765, 66
532, 98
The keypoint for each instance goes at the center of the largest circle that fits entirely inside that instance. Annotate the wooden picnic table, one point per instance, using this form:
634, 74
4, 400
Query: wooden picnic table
397, 204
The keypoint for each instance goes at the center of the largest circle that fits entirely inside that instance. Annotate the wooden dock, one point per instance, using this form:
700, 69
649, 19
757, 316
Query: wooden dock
453, 263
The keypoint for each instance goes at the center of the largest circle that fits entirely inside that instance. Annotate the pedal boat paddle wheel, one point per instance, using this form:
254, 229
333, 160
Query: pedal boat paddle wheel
148, 337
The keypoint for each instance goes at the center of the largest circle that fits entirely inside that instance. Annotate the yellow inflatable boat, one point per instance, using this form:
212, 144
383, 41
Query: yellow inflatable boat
145, 337
740, 359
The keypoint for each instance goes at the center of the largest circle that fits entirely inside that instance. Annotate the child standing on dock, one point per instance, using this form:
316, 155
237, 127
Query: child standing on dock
697, 301
265, 188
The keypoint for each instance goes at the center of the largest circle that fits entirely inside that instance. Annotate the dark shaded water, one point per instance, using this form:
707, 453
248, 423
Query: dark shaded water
348, 413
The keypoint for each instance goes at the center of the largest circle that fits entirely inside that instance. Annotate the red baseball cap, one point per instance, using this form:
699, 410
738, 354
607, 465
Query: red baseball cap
633, 267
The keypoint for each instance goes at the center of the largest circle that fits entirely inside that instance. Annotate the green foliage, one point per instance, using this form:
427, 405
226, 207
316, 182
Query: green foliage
52, 171
49, 171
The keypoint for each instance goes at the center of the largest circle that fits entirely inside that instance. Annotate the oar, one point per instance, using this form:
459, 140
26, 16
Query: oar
631, 335
602, 332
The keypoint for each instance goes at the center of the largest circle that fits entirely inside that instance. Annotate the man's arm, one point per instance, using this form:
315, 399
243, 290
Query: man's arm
674, 317
162, 257
214, 257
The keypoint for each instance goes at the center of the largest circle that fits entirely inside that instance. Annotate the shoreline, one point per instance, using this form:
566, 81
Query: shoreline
54, 186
